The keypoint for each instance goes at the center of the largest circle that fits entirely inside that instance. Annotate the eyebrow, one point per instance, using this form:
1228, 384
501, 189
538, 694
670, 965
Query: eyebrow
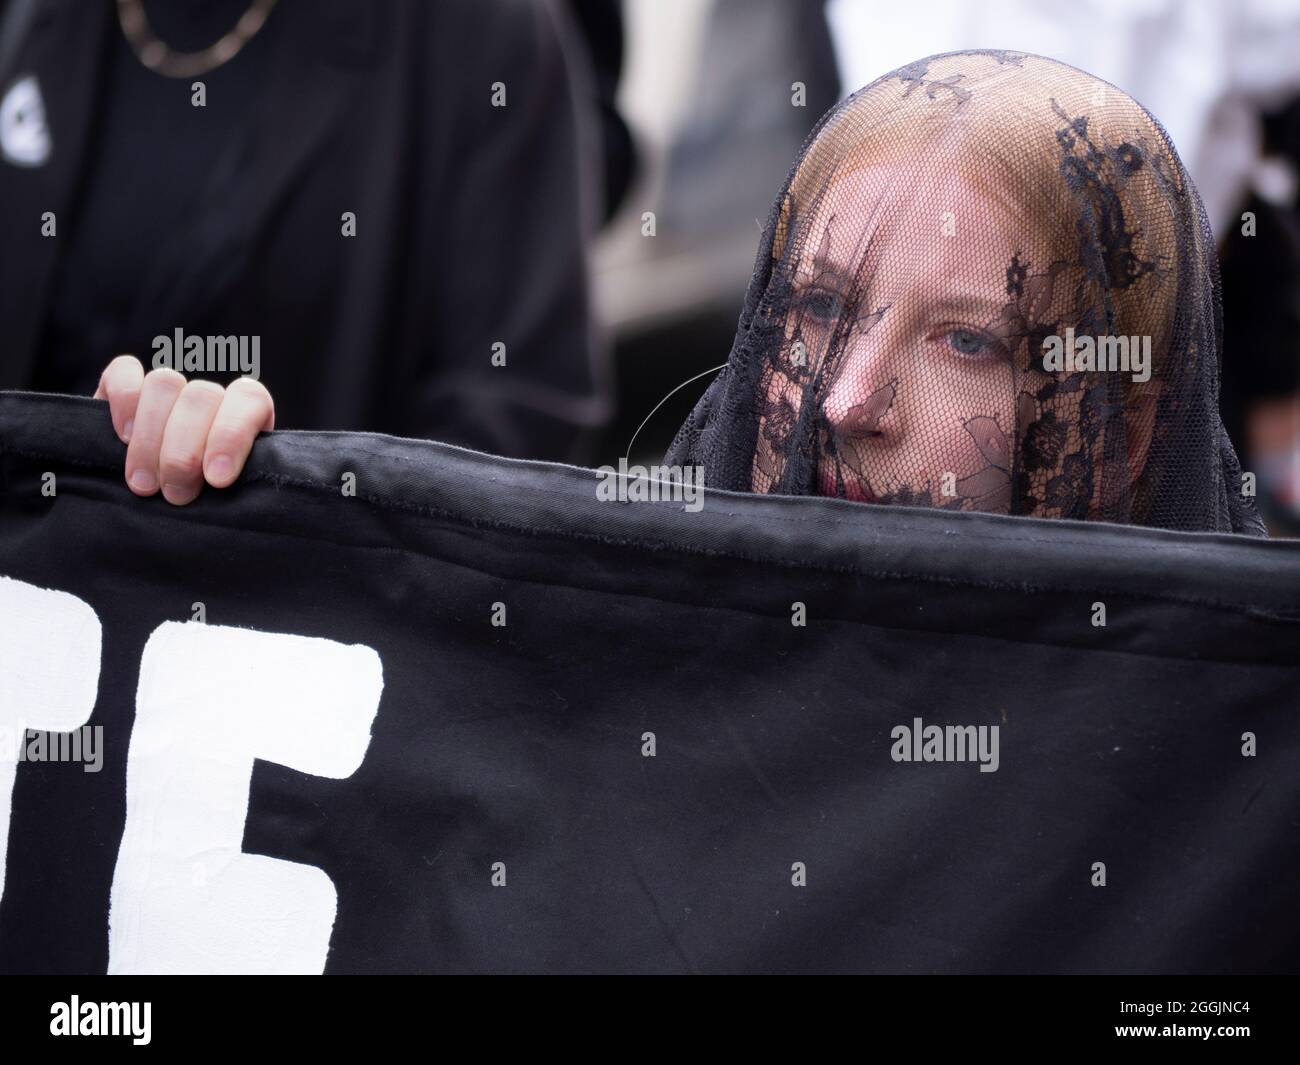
826, 273
819, 270
970, 302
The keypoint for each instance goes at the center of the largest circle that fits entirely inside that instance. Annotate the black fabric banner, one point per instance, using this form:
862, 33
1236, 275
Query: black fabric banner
392, 706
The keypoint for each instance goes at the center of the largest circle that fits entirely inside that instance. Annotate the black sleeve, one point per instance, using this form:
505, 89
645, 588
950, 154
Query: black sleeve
510, 245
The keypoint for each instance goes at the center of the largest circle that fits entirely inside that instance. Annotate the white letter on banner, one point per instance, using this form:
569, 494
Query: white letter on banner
211, 700
49, 673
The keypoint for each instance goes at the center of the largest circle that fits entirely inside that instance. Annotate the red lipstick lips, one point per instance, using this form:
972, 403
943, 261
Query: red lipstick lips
854, 488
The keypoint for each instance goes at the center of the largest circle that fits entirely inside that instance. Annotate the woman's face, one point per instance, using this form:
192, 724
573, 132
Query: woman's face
919, 405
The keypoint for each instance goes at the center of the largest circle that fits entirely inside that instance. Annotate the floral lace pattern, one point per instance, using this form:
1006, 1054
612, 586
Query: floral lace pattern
940, 226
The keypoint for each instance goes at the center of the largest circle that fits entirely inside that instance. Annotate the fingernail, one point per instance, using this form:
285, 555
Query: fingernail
143, 481
176, 494
126, 431
219, 467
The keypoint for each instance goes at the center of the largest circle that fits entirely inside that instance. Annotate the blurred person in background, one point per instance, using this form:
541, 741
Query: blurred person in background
392, 197
1261, 318
600, 26
767, 72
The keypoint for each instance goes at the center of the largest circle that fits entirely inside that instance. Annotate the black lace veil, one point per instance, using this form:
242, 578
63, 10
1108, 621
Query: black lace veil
987, 284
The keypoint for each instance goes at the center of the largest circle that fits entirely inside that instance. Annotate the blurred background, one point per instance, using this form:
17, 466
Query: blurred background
715, 98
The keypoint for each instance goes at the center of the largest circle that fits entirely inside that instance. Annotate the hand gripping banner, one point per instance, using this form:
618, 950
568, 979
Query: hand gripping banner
394, 706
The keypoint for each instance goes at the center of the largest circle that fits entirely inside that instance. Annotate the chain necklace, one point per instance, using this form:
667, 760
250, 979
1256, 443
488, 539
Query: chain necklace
155, 55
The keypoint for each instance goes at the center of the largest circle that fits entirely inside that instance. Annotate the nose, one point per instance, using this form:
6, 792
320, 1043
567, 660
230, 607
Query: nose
866, 419
861, 401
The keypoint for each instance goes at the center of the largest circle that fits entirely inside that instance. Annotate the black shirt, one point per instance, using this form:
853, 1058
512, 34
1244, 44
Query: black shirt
155, 168
226, 220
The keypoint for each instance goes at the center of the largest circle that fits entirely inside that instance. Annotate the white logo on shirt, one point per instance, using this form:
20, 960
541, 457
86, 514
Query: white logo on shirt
24, 133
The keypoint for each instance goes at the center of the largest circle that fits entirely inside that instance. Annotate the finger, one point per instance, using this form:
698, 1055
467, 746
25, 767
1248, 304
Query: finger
180, 463
120, 385
157, 397
246, 410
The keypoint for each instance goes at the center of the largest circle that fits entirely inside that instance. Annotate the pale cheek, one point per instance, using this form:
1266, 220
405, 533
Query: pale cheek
963, 457
943, 399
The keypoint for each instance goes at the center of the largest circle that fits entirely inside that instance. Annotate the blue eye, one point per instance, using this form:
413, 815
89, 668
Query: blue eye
971, 345
822, 305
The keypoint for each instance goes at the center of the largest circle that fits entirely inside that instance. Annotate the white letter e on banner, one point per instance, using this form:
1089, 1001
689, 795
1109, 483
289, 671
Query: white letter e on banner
211, 699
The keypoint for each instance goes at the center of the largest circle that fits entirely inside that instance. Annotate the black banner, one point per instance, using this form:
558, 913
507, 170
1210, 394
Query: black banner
393, 706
